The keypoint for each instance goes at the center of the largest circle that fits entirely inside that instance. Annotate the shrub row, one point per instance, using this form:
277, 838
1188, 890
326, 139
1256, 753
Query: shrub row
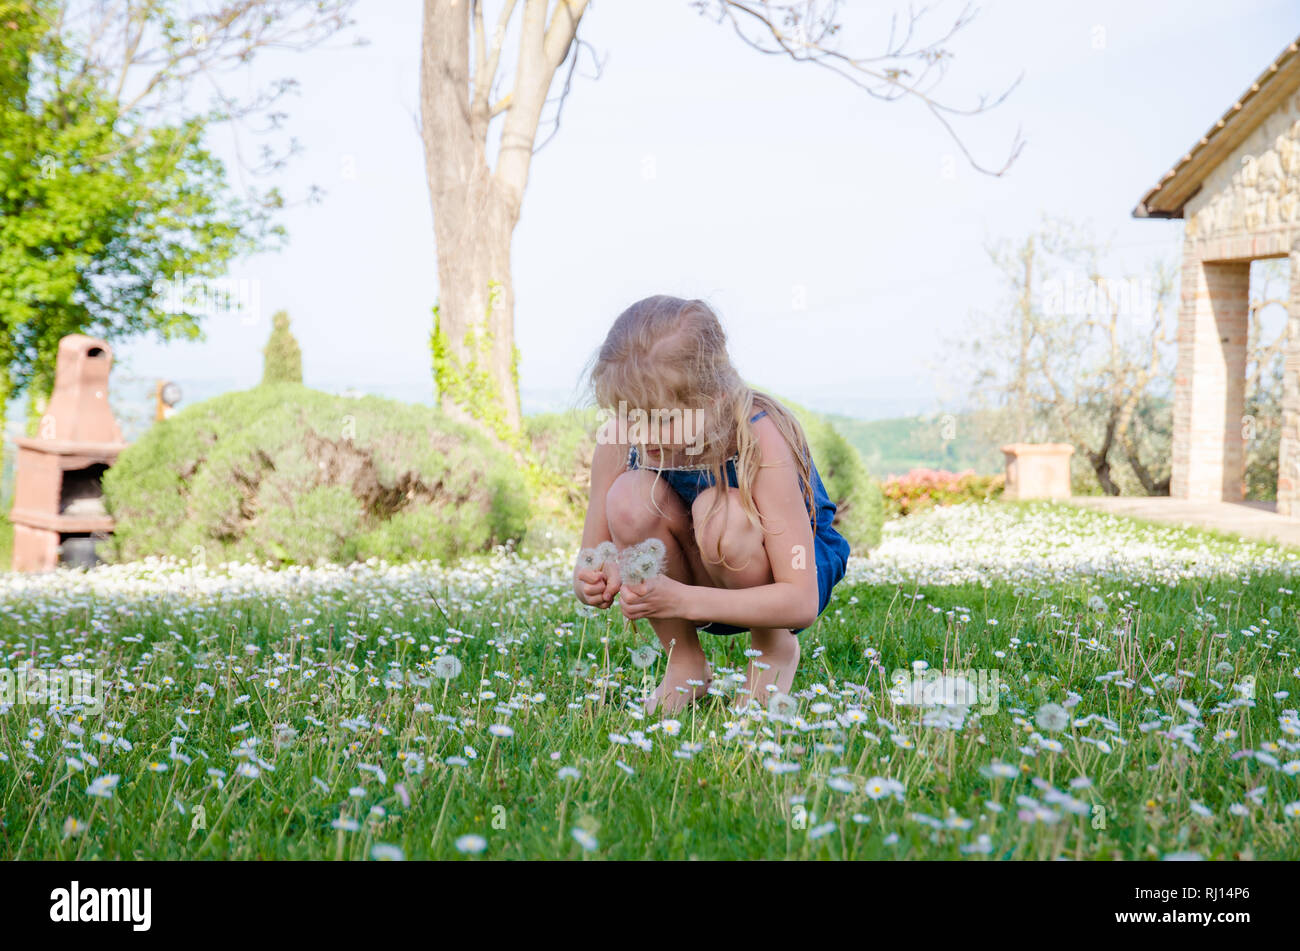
923, 488
291, 475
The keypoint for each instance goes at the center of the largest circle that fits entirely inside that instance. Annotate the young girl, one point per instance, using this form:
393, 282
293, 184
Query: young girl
759, 554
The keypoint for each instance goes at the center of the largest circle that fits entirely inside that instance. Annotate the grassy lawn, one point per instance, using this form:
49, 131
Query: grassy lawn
1132, 699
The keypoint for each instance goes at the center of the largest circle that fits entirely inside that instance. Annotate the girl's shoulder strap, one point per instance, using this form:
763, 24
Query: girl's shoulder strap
757, 416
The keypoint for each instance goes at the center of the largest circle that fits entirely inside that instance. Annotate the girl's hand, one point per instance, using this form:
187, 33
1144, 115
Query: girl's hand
597, 588
589, 586
613, 582
660, 597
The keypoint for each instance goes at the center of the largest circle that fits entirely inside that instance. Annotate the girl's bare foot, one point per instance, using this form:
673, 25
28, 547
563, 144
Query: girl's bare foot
773, 671
685, 681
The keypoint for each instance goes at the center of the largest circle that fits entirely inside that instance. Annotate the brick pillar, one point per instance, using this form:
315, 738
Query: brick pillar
1288, 453
1209, 387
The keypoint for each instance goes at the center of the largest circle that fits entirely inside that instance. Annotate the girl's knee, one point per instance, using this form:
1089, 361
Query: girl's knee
724, 530
635, 505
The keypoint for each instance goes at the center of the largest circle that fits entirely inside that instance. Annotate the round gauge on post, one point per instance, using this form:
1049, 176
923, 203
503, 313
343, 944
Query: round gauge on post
167, 396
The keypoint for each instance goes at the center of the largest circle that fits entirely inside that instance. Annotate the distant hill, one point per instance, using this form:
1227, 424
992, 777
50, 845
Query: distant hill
895, 446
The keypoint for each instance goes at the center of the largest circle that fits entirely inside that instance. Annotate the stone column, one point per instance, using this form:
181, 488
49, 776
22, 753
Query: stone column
1288, 453
1209, 388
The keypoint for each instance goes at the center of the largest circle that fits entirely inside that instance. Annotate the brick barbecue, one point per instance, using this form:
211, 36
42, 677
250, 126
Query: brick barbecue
58, 511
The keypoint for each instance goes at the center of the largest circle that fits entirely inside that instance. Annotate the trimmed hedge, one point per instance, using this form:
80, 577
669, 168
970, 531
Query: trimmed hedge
291, 475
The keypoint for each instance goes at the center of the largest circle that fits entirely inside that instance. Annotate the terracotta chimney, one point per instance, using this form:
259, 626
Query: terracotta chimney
78, 407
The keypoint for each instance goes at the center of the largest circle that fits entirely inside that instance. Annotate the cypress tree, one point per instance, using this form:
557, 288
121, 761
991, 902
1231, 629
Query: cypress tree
282, 357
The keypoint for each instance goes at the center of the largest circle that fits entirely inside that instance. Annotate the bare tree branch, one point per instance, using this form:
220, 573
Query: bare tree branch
150, 60
578, 46
805, 30
486, 65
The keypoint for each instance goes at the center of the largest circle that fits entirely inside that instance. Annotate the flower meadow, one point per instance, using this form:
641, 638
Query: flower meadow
996, 681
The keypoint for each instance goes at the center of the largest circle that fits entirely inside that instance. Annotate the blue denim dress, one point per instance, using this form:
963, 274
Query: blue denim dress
830, 549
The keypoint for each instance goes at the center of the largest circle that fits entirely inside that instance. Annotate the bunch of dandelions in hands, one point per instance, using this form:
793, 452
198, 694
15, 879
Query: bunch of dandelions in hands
636, 564
595, 559
640, 563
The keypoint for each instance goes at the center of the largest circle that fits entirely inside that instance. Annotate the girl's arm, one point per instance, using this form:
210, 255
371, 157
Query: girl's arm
607, 464
599, 587
791, 599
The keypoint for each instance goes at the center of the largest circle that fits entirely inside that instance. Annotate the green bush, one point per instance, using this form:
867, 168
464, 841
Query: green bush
292, 475
561, 445
860, 506
6, 542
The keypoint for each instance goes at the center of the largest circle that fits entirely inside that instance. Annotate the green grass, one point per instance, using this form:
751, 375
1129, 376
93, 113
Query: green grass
705, 787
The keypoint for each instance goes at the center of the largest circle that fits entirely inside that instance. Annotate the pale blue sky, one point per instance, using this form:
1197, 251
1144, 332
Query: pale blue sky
768, 177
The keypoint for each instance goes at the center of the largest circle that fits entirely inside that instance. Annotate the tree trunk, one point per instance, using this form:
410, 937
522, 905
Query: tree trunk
1101, 469
476, 208
1100, 458
1026, 317
1150, 484
474, 222
473, 348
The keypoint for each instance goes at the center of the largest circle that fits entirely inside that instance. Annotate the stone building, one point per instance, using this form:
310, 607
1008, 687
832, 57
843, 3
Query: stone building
1238, 190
